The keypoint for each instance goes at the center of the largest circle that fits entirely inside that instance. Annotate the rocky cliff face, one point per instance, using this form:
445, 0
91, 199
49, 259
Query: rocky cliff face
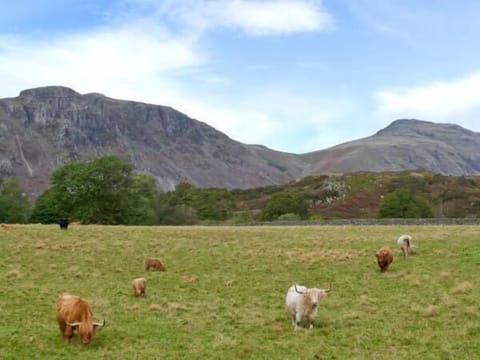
44, 128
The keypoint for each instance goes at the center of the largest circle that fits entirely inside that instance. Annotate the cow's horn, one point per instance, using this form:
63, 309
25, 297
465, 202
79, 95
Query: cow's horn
72, 324
300, 292
99, 324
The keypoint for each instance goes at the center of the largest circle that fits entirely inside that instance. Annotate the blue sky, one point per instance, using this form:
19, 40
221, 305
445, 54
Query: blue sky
293, 75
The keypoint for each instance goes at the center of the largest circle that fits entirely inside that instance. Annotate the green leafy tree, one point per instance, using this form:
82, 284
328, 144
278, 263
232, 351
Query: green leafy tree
175, 215
144, 196
14, 203
404, 204
102, 191
187, 203
288, 202
182, 195
45, 210
175, 207
212, 204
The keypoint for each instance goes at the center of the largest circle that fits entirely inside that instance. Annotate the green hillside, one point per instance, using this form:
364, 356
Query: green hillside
360, 195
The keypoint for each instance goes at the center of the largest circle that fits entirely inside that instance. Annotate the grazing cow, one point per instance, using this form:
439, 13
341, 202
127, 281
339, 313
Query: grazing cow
63, 222
139, 287
74, 313
384, 258
406, 245
303, 302
5, 226
154, 264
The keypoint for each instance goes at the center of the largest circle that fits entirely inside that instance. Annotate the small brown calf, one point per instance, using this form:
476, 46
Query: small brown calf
139, 287
384, 258
154, 264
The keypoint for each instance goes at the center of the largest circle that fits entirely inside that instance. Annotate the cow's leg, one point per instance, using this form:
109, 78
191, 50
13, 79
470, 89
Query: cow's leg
298, 319
62, 326
68, 334
293, 319
312, 320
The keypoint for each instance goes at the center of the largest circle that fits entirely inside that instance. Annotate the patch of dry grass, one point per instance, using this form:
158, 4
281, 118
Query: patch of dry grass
462, 288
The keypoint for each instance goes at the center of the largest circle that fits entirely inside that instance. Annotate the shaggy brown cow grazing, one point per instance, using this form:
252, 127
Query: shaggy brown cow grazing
5, 226
139, 287
384, 258
74, 313
154, 264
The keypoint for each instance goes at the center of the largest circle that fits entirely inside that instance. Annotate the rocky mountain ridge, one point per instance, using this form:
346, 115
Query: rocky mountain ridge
44, 128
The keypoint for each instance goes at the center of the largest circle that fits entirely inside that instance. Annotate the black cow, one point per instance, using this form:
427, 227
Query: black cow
63, 223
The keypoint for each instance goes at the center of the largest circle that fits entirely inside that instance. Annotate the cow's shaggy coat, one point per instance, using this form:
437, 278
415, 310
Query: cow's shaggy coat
75, 314
405, 244
139, 287
154, 264
302, 302
384, 258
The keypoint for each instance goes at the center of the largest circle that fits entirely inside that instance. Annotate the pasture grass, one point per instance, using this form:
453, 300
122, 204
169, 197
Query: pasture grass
223, 294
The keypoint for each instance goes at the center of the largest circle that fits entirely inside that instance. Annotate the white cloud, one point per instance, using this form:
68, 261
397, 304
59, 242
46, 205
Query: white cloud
110, 60
455, 101
273, 17
254, 17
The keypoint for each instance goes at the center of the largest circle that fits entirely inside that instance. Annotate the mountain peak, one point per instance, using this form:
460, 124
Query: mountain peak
404, 127
413, 127
48, 92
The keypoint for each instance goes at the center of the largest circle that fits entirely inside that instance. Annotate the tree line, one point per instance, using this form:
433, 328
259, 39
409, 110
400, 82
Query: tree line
106, 190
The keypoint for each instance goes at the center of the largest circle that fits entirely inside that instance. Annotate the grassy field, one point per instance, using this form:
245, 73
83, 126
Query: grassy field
223, 294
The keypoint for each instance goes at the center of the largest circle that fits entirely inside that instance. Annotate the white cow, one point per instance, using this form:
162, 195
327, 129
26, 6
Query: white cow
404, 242
303, 302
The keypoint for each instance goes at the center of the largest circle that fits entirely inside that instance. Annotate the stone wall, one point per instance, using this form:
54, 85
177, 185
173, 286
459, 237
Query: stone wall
364, 222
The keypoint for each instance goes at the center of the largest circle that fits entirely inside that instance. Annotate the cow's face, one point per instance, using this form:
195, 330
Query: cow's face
85, 333
87, 337
159, 266
315, 295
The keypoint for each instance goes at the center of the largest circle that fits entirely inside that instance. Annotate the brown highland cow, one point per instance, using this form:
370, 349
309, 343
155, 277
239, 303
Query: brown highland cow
154, 264
139, 287
75, 314
384, 258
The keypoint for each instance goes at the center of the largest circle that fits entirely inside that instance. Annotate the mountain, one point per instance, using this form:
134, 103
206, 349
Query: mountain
403, 145
44, 128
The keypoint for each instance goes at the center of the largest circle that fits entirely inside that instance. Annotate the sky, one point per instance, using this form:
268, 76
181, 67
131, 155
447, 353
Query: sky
293, 75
